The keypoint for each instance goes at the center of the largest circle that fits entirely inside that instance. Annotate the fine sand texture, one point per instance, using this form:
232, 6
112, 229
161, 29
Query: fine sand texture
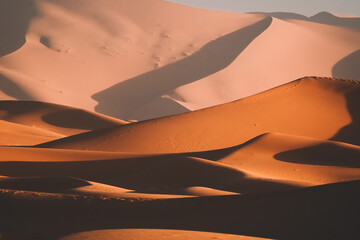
323, 108
143, 59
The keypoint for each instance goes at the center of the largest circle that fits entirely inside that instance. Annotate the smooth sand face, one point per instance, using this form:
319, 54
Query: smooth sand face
281, 164
155, 58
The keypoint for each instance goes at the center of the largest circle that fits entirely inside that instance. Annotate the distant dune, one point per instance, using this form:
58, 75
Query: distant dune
139, 63
145, 119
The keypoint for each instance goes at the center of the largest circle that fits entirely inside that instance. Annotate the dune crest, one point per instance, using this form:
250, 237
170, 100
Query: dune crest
313, 107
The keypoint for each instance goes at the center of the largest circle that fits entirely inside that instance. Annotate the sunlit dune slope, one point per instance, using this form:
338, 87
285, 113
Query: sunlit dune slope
17, 134
301, 159
323, 108
268, 163
165, 174
154, 234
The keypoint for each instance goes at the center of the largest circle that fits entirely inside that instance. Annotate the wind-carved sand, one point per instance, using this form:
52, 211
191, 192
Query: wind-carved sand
239, 170
155, 58
263, 156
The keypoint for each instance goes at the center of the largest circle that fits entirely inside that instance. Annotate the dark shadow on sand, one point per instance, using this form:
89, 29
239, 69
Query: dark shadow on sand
348, 67
330, 154
323, 154
323, 212
147, 174
124, 100
51, 184
15, 16
77, 119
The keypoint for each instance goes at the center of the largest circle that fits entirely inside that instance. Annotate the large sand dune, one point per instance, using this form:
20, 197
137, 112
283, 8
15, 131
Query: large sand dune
152, 58
278, 158
323, 108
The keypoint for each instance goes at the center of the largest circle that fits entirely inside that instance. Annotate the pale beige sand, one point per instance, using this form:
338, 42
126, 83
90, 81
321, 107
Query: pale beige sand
141, 59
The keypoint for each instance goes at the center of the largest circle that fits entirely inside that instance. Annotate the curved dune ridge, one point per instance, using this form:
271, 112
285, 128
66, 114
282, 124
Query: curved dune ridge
324, 108
29, 123
153, 58
216, 142
234, 171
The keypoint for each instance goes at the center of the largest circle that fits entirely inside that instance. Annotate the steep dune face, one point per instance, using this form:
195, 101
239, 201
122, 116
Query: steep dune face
141, 60
315, 107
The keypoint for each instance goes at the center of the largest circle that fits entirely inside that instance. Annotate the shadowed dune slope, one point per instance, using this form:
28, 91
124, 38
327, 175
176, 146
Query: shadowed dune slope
270, 162
100, 44
295, 158
313, 107
54, 118
46, 216
179, 174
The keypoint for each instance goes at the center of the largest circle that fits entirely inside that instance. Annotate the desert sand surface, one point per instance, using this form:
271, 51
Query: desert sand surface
154, 57
256, 168
324, 108
146, 119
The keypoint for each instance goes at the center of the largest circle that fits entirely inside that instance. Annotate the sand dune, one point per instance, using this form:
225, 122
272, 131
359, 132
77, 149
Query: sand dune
271, 162
152, 63
54, 118
275, 160
322, 108
165, 174
30, 123
297, 158
17, 134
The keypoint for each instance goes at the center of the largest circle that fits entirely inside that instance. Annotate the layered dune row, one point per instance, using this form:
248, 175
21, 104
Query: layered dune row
233, 171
